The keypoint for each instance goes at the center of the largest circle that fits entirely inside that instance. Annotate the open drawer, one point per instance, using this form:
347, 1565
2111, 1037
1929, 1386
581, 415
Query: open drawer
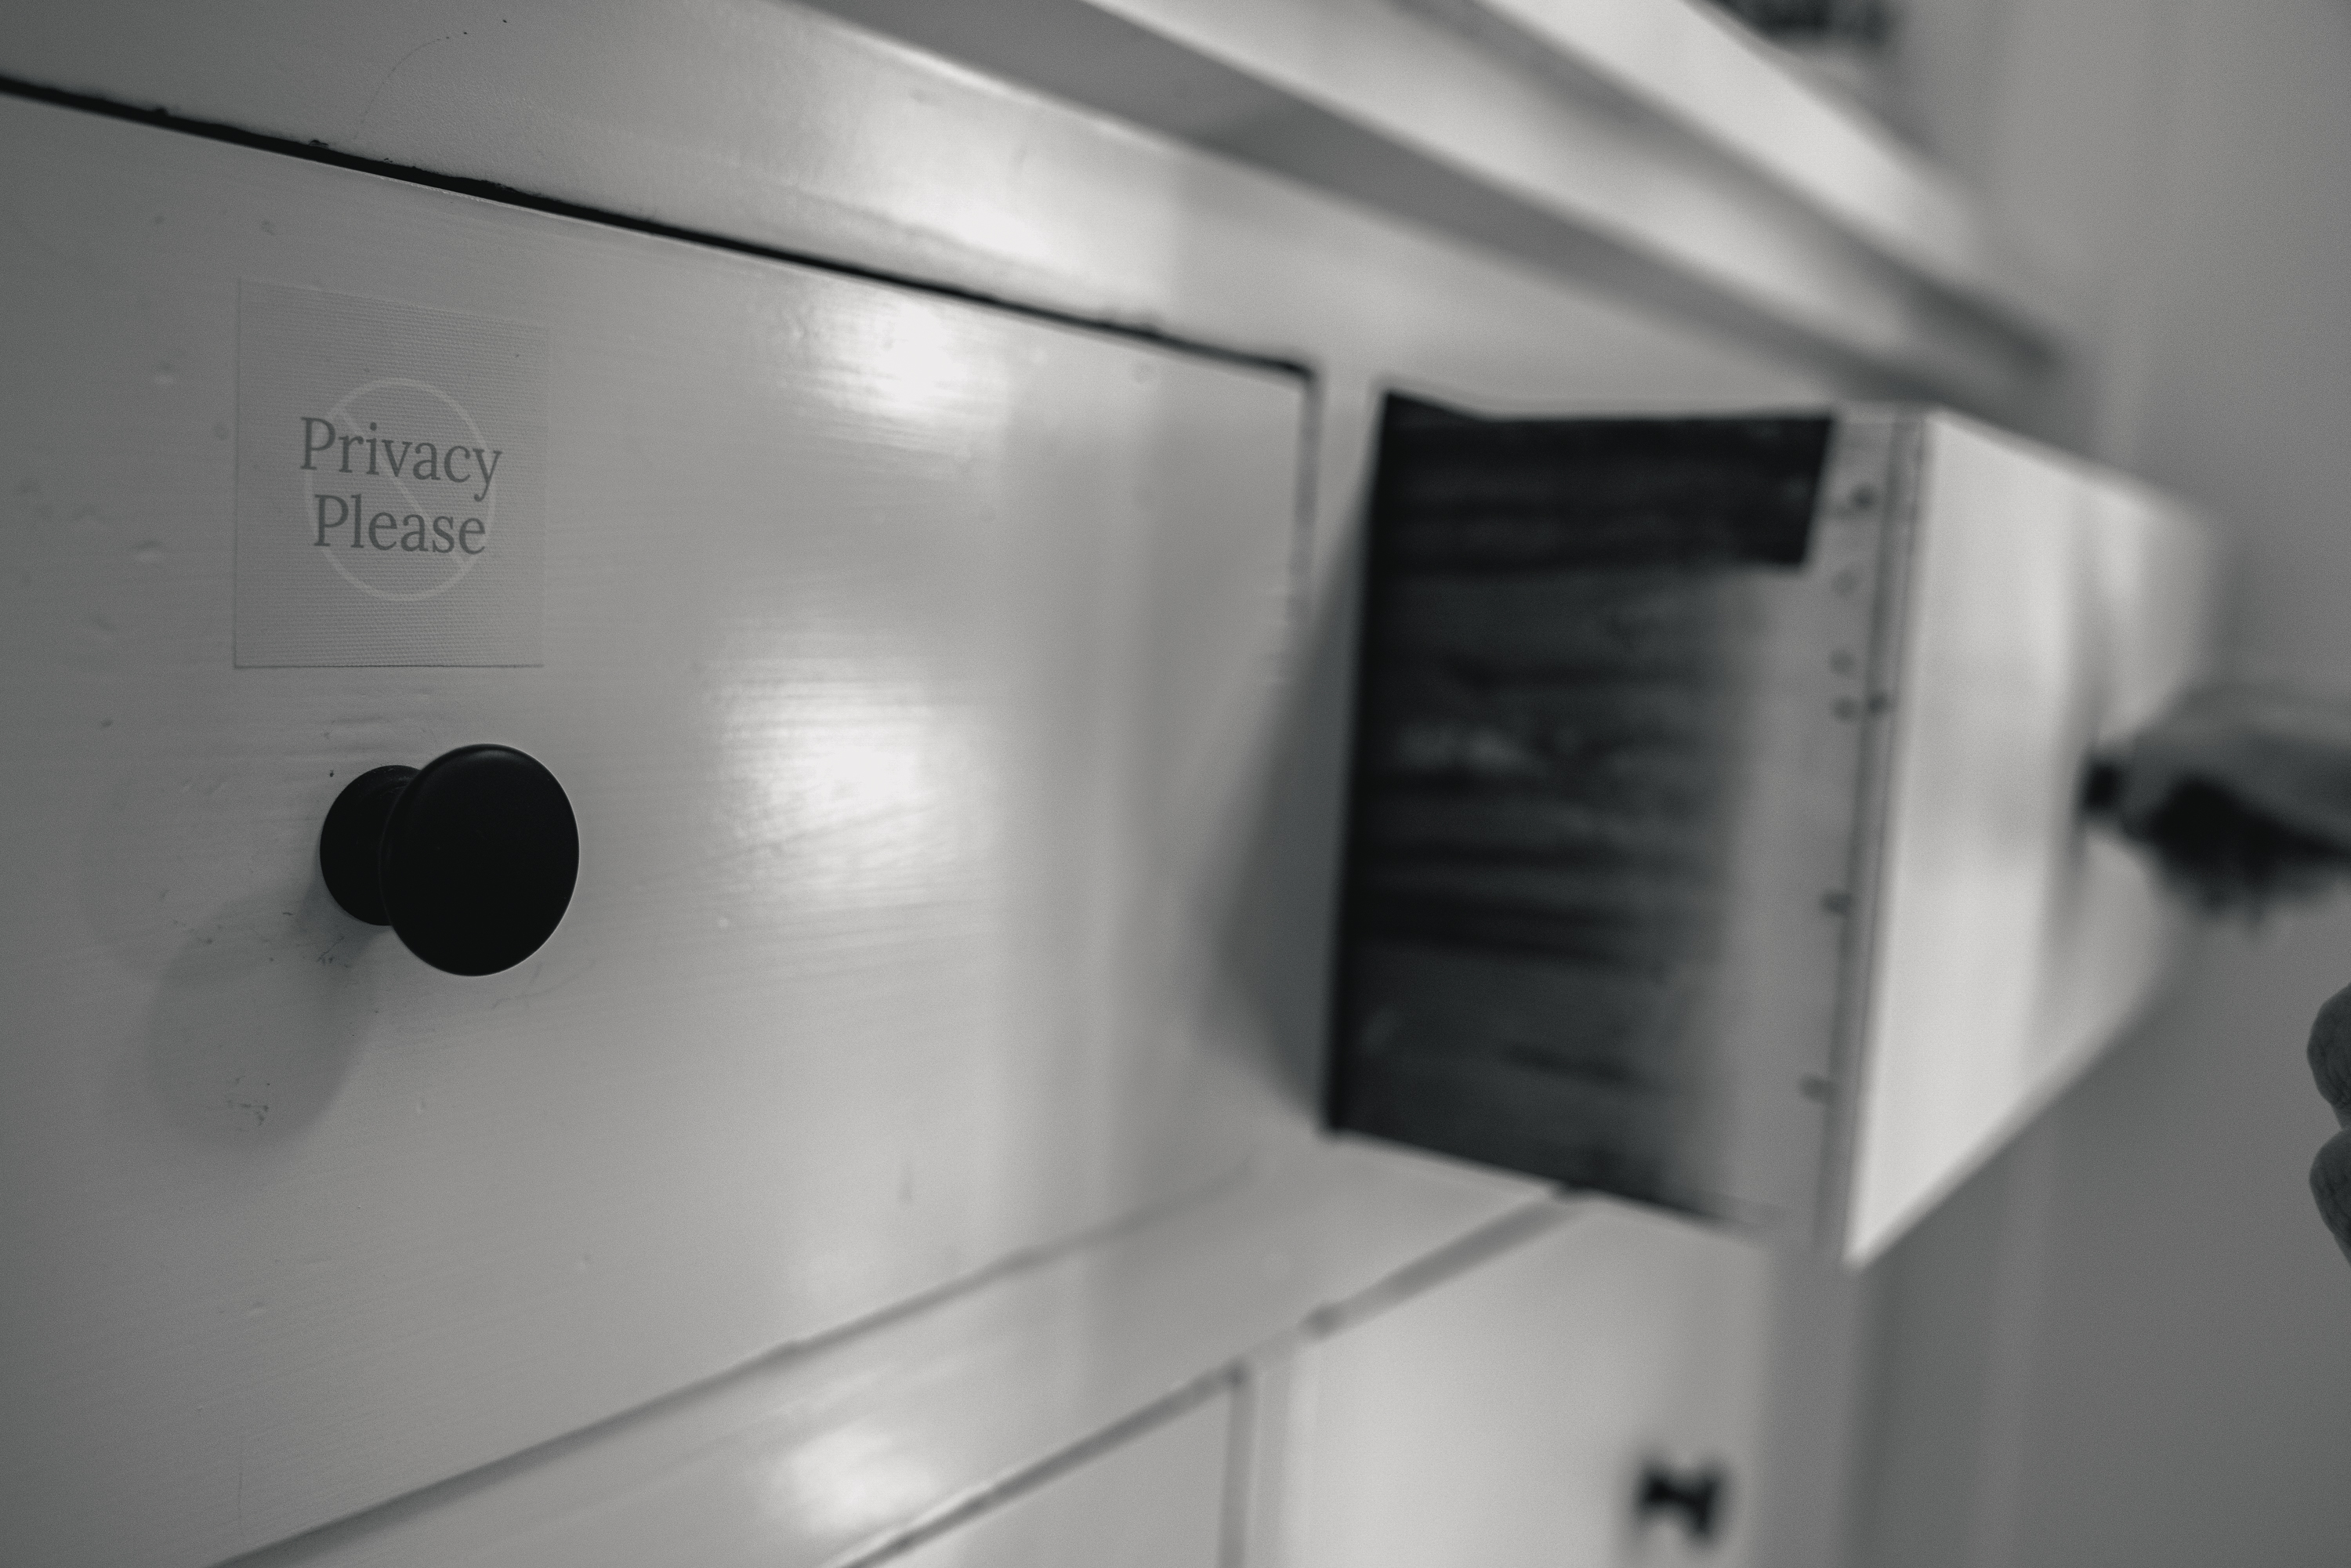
1715, 835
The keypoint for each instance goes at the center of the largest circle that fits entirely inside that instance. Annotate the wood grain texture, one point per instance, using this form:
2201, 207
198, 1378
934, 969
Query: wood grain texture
914, 671
1567, 642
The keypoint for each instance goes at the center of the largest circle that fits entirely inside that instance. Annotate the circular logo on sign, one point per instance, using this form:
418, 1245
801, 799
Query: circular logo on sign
401, 489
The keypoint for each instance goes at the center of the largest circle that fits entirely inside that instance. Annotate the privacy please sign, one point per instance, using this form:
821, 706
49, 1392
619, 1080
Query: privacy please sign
390, 481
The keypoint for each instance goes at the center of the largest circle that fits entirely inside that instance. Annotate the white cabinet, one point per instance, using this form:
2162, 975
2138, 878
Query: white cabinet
1516, 1417
911, 668
916, 669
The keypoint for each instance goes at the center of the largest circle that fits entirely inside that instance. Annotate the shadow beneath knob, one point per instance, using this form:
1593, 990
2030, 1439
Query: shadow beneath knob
257, 1019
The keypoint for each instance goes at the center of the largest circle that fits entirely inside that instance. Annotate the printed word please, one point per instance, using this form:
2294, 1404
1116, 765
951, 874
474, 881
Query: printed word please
387, 530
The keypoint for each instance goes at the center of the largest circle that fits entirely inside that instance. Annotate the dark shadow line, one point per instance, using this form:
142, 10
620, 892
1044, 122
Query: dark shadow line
316, 151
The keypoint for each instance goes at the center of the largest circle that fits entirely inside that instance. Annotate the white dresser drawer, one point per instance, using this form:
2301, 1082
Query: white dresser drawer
1516, 1417
911, 668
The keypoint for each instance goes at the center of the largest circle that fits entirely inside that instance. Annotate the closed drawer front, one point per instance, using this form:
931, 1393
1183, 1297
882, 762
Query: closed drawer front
1582, 1399
912, 669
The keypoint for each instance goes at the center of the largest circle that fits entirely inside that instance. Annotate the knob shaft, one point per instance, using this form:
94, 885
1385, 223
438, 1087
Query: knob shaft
471, 858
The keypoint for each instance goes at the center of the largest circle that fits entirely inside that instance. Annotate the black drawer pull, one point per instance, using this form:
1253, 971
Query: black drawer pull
1694, 1497
470, 858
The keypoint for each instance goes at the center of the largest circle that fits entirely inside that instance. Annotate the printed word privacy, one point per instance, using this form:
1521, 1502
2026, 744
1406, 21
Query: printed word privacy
402, 459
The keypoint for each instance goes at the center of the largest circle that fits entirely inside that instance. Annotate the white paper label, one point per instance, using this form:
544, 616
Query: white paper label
391, 481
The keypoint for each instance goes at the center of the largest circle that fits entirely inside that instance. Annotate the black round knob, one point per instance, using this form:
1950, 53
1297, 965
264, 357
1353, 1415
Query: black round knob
470, 858
1693, 1496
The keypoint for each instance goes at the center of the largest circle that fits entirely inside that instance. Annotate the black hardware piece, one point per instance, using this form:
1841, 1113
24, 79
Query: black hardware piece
470, 858
1694, 1497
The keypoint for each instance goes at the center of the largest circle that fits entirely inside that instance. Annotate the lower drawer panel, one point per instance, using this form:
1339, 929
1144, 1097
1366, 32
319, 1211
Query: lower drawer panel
1516, 1417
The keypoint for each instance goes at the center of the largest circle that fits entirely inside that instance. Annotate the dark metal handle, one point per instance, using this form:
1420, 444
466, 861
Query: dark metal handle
1694, 1497
471, 858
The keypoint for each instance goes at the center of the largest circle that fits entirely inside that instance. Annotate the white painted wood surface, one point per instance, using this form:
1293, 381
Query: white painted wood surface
1155, 1501
913, 1430
914, 671
1690, 62
2051, 607
1573, 141
756, 119
1506, 1419
771, 128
